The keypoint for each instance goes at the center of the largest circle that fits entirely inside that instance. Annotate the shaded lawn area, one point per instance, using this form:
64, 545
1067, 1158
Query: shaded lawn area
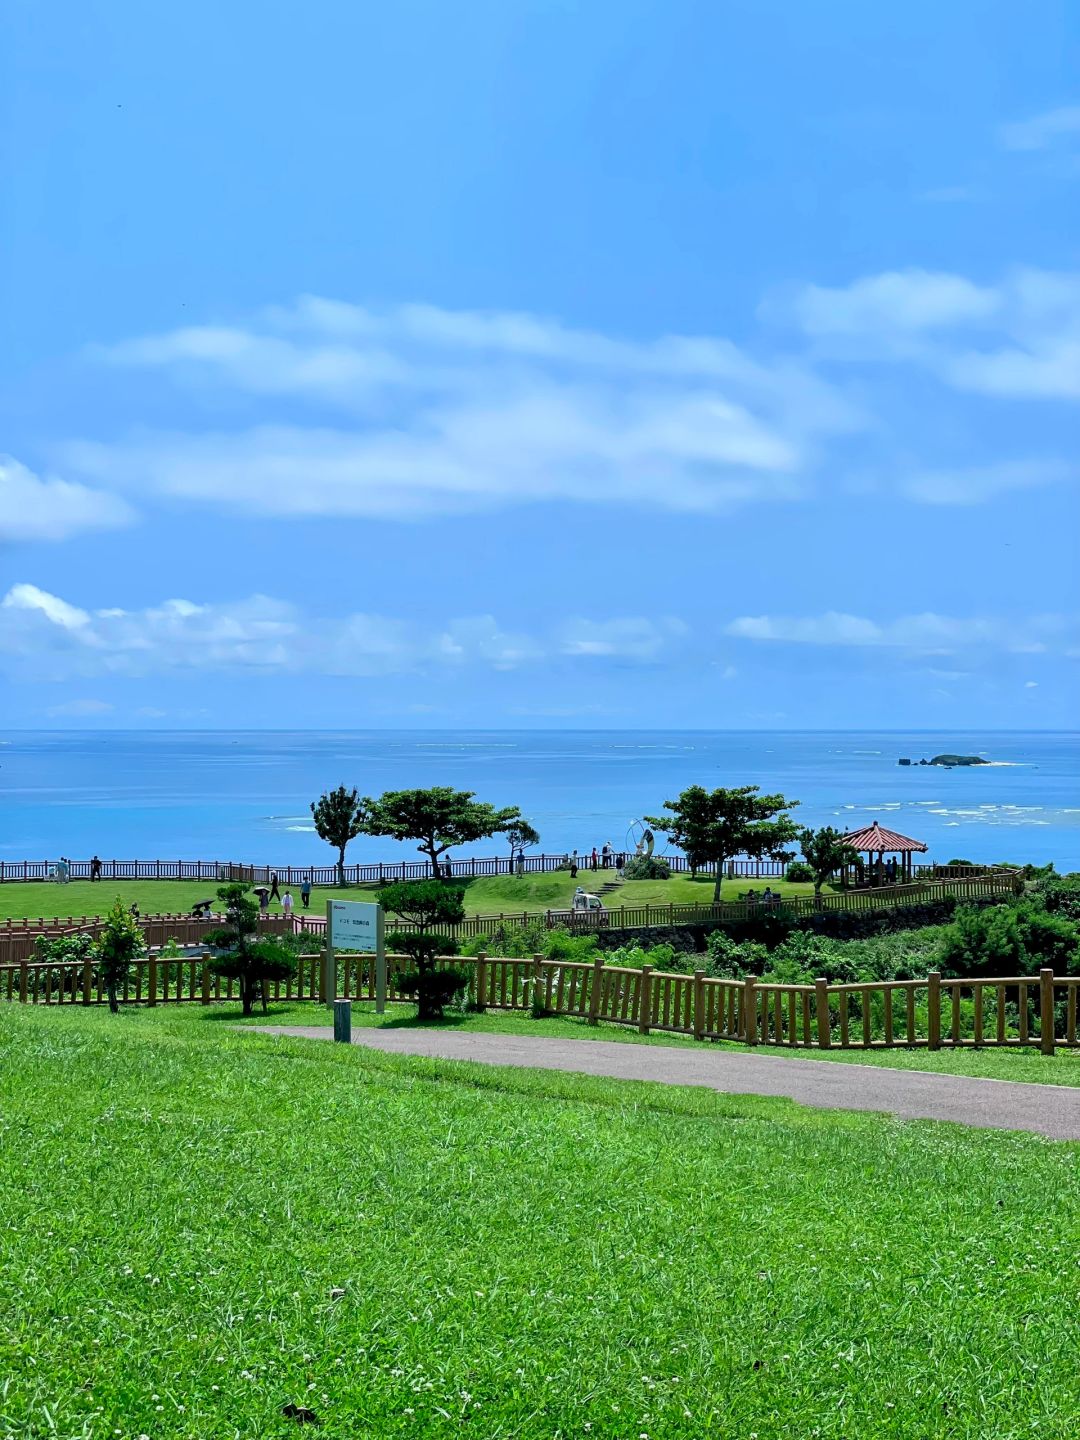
490, 895
1028, 1065
203, 1226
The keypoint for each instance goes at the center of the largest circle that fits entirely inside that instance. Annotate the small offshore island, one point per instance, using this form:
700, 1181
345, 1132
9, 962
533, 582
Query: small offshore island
948, 761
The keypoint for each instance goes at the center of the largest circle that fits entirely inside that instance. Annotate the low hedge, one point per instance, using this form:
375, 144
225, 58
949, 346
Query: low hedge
771, 928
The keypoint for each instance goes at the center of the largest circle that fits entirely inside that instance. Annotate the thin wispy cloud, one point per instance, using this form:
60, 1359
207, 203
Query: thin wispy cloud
1043, 131
926, 633
47, 636
974, 484
438, 411
1016, 339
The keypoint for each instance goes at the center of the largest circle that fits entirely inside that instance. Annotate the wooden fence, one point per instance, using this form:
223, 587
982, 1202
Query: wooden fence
223, 871
18, 938
933, 1013
379, 873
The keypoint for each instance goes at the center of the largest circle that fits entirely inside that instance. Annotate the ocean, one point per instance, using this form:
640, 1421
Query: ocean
245, 796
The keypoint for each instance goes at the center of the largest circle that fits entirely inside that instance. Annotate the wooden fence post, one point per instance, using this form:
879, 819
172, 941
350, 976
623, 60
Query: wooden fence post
596, 987
537, 999
481, 980
933, 1011
821, 1000
87, 981
645, 1000
750, 1010
1046, 1011
151, 985
206, 982
699, 1004
24, 981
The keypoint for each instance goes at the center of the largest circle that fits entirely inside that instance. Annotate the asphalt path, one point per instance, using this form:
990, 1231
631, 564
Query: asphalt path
1051, 1110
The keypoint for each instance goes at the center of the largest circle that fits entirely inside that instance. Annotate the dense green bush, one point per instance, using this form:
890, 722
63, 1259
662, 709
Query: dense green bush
660, 957
1061, 895
647, 867
798, 872
520, 942
1009, 940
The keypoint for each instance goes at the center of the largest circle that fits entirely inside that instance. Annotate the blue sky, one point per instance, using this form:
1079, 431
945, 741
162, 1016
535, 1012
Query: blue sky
540, 364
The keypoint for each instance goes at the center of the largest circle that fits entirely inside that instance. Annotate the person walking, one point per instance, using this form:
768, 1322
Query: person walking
520, 864
305, 891
287, 904
573, 865
275, 893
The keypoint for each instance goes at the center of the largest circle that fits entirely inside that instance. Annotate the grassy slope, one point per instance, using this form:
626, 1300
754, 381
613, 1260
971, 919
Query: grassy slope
521, 1254
488, 896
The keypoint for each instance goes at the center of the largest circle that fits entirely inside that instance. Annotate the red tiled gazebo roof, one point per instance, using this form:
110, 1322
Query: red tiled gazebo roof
875, 838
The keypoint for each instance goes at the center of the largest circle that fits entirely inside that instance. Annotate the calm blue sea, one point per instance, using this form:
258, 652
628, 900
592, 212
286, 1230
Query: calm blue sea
245, 796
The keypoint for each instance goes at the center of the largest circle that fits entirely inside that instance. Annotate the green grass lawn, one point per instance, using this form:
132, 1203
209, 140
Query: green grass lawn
490, 895
202, 1226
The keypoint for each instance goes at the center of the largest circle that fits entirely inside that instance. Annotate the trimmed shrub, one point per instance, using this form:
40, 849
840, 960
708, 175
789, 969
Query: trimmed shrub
647, 867
434, 990
798, 871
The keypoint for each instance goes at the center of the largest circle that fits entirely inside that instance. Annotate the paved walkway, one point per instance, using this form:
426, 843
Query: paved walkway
1052, 1110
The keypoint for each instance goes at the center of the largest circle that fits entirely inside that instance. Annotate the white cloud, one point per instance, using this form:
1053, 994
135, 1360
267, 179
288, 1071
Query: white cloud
43, 635
1040, 132
950, 195
927, 632
971, 485
33, 508
58, 612
418, 411
1050, 370
627, 639
1017, 339
88, 708
896, 302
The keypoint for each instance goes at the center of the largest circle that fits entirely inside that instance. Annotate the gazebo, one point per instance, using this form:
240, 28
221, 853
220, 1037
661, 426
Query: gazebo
876, 842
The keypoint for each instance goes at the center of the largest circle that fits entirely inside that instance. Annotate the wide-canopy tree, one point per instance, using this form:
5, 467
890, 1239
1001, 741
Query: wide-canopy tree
437, 819
713, 826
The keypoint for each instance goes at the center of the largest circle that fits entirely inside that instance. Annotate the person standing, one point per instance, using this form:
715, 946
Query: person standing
305, 891
287, 904
573, 865
275, 893
95, 868
595, 859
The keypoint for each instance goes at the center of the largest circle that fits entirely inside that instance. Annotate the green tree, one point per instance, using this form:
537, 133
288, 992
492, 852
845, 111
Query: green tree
339, 818
520, 835
713, 826
437, 819
429, 908
120, 942
825, 851
241, 955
